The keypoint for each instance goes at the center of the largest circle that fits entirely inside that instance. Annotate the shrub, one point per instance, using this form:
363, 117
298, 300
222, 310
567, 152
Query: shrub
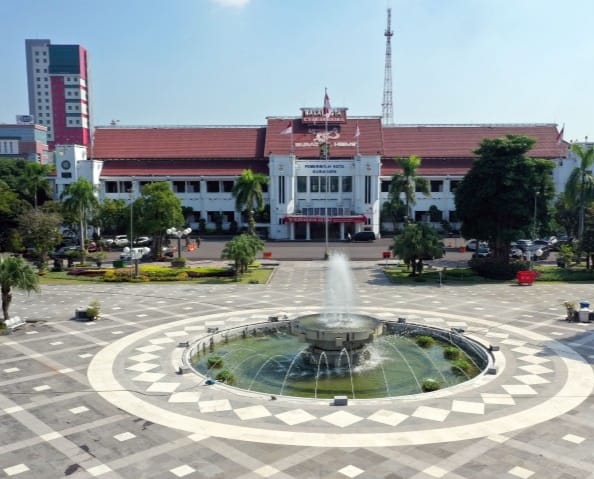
214, 361
424, 341
491, 268
225, 376
462, 367
451, 353
430, 385
93, 309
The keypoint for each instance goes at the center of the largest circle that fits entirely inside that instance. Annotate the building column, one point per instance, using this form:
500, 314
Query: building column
307, 232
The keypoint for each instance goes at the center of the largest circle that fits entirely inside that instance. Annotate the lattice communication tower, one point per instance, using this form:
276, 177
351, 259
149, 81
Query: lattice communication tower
387, 111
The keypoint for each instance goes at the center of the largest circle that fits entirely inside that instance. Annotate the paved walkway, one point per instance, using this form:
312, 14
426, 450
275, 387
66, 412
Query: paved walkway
103, 399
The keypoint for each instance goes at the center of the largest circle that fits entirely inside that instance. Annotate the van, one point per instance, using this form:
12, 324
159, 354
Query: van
364, 236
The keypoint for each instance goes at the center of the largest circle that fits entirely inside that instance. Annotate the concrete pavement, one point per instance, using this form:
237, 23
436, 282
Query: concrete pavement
102, 399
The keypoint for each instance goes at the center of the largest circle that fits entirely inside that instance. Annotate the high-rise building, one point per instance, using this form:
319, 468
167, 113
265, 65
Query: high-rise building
58, 85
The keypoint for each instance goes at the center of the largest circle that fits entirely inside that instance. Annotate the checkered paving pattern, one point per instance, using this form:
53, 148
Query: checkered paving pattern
54, 424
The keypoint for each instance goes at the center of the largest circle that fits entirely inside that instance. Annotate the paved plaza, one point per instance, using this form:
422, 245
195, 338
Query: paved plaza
103, 399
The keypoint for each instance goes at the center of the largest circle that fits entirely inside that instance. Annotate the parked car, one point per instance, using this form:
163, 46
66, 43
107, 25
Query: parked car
64, 251
118, 242
471, 245
483, 252
524, 244
143, 241
364, 236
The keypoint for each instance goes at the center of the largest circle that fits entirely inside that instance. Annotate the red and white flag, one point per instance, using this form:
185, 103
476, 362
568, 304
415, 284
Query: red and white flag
560, 135
288, 130
327, 108
357, 131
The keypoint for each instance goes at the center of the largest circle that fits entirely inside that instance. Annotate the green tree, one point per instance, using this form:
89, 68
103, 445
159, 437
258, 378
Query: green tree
15, 273
417, 241
34, 181
40, 229
156, 210
496, 199
11, 206
393, 210
405, 184
112, 216
249, 195
579, 189
79, 204
242, 250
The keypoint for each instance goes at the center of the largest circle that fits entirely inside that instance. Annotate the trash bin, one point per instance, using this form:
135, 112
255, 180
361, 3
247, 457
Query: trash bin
584, 316
119, 263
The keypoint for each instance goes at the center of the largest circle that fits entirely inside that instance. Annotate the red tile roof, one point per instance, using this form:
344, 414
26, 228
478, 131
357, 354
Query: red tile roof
178, 142
342, 137
190, 151
459, 141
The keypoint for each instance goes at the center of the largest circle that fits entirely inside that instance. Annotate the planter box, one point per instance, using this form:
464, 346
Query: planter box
119, 263
526, 277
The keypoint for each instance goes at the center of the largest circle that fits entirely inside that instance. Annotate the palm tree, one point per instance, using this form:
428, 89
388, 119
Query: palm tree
407, 182
249, 195
34, 180
15, 273
79, 202
579, 188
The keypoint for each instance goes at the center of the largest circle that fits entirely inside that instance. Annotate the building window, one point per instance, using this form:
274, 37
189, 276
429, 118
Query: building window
347, 184
367, 189
302, 184
213, 187
179, 186
126, 186
194, 186
227, 186
281, 190
333, 184
453, 185
314, 184
111, 186
436, 186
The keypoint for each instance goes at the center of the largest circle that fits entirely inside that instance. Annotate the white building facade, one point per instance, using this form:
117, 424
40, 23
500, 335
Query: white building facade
327, 177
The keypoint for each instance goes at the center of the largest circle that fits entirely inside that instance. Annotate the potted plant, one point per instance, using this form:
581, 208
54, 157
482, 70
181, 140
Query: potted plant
93, 310
98, 257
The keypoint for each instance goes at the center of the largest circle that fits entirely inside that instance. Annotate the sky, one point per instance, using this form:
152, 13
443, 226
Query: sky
236, 62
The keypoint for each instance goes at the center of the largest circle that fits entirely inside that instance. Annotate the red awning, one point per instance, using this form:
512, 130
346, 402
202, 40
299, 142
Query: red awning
322, 219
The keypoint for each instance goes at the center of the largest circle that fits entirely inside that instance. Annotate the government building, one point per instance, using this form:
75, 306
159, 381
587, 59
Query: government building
332, 170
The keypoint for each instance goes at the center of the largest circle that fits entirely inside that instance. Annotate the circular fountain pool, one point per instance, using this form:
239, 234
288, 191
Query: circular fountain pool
273, 358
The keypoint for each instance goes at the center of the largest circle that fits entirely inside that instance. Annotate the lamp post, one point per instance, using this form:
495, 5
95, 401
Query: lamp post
534, 229
178, 234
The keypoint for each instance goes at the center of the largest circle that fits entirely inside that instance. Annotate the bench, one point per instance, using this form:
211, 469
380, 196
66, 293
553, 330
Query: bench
14, 323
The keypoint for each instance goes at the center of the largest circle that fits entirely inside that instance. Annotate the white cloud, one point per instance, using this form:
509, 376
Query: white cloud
231, 3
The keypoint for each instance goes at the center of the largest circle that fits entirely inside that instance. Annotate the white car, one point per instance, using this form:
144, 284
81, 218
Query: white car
120, 241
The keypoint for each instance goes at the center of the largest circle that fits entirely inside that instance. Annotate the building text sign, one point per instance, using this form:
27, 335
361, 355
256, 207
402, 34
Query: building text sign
316, 115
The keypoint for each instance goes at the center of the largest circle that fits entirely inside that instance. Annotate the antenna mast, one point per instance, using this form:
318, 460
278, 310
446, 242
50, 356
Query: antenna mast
387, 112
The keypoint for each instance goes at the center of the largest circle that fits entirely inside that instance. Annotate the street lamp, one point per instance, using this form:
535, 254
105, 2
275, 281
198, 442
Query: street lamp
534, 229
178, 234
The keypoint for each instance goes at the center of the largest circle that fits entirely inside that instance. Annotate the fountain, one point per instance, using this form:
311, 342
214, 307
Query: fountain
336, 352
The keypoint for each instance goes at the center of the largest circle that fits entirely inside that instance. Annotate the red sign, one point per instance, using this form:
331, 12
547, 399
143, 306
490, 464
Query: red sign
322, 219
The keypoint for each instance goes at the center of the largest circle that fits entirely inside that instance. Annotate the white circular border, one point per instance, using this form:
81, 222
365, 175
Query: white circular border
578, 386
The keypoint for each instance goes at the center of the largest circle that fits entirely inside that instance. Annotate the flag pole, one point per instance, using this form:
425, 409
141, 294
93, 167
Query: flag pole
326, 112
